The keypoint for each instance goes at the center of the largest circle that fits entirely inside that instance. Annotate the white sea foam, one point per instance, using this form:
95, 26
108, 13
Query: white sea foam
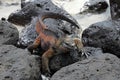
73, 7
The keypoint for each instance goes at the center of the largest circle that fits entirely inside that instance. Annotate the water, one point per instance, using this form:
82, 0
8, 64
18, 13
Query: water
6, 9
71, 6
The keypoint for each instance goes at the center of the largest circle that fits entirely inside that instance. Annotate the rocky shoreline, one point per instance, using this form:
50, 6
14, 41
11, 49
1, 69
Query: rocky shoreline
101, 41
15, 63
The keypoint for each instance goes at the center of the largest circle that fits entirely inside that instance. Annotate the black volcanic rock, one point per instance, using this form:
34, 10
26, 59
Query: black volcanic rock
115, 9
18, 64
102, 67
62, 60
95, 6
27, 18
8, 33
105, 35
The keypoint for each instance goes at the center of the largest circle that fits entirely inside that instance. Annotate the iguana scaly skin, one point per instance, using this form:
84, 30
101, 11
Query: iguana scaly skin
49, 41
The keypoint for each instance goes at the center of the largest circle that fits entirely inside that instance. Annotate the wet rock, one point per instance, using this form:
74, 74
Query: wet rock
115, 9
27, 17
22, 3
95, 6
3, 19
8, 33
11, 4
14, 4
18, 64
62, 60
102, 67
0, 3
24, 16
105, 35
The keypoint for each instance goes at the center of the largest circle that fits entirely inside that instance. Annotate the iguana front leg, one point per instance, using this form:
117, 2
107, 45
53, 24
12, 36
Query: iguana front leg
35, 44
80, 48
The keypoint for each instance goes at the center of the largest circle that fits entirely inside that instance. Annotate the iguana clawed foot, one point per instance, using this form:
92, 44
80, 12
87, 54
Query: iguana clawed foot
84, 53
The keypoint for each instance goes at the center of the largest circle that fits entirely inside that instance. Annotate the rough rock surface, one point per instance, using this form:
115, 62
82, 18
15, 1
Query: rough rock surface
8, 33
0, 3
95, 6
32, 10
102, 67
27, 35
105, 35
62, 60
115, 9
18, 64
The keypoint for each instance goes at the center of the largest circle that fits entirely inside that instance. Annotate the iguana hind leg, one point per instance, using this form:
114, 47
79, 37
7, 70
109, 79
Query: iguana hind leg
45, 60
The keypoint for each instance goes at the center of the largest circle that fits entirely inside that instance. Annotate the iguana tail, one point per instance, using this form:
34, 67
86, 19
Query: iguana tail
57, 16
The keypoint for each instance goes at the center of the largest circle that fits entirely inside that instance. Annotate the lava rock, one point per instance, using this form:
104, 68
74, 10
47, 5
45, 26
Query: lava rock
22, 3
8, 33
0, 3
105, 35
115, 9
102, 67
3, 19
27, 35
95, 6
32, 9
18, 64
14, 4
24, 16
27, 17
62, 60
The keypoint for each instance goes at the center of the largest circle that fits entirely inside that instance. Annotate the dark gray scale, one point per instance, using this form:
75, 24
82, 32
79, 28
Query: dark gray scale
50, 33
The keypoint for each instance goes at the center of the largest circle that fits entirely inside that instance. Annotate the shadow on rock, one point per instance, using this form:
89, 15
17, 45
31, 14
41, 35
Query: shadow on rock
62, 60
